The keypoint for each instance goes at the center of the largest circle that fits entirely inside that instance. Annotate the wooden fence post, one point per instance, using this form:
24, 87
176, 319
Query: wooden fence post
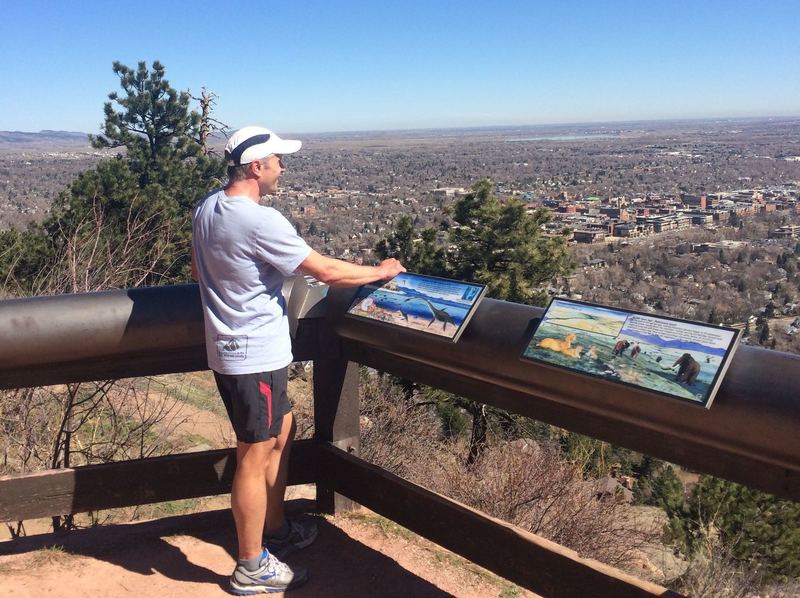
336, 419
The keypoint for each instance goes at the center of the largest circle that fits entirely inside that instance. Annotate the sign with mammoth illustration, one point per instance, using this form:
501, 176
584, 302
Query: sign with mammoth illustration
427, 304
677, 358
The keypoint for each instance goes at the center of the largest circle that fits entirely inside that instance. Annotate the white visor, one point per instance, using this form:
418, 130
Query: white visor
254, 143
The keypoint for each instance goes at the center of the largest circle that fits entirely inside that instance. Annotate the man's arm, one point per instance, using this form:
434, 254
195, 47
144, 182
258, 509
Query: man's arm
338, 273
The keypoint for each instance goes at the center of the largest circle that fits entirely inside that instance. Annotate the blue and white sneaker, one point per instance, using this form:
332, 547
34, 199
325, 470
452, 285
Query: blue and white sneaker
301, 533
272, 575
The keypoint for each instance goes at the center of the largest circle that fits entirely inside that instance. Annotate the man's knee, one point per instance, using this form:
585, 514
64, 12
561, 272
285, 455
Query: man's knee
288, 431
252, 457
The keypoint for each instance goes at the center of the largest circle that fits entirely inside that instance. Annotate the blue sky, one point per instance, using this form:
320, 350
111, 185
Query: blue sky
309, 66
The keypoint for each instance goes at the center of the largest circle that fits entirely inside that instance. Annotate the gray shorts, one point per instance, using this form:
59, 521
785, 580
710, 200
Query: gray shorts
256, 403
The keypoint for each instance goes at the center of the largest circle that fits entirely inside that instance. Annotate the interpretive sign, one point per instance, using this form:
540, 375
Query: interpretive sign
426, 304
677, 358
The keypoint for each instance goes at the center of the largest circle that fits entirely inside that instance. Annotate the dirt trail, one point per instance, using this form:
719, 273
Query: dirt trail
191, 555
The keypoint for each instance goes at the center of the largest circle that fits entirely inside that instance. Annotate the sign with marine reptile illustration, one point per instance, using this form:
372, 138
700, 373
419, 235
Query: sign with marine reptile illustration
427, 304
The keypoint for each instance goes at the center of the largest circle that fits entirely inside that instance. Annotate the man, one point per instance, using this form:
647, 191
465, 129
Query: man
241, 252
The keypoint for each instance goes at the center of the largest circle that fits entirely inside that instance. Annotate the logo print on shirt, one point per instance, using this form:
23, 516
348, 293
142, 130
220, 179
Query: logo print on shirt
231, 348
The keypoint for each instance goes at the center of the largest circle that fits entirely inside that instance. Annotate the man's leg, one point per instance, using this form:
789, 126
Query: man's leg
248, 400
249, 495
276, 474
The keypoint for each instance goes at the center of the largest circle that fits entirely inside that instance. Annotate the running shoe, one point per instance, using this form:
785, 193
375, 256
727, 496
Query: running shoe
301, 533
272, 575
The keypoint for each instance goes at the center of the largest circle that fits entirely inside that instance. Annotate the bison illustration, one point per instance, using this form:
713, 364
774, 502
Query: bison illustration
620, 347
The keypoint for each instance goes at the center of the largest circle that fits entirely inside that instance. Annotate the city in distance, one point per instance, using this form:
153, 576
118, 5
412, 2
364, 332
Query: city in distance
672, 194
697, 220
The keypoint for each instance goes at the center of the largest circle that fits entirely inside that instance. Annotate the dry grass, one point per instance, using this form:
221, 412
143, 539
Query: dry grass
716, 574
52, 556
396, 433
537, 489
527, 484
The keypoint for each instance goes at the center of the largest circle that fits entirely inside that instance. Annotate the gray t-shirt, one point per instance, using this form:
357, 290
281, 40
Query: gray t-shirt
243, 252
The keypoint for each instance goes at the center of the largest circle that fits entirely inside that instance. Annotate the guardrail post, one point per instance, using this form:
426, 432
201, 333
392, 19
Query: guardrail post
336, 419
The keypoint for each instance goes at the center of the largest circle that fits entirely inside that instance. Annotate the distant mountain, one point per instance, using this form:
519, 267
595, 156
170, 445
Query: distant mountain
11, 139
675, 343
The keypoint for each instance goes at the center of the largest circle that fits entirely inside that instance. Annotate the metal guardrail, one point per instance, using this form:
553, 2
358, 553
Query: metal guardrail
749, 435
113, 334
100, 336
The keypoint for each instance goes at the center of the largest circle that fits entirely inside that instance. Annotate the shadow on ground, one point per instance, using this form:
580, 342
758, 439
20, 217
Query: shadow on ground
338, 565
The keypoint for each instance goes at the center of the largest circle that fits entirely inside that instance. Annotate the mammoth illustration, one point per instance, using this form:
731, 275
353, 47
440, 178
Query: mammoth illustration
688, 370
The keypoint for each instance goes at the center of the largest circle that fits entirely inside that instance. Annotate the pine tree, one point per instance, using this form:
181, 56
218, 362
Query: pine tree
154, 121
769, 308
137, 204
494, 243
418, 252
763, 333
758, 528
502, 246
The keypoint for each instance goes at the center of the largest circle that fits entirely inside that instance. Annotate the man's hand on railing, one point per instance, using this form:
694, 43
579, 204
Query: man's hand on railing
389, 268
